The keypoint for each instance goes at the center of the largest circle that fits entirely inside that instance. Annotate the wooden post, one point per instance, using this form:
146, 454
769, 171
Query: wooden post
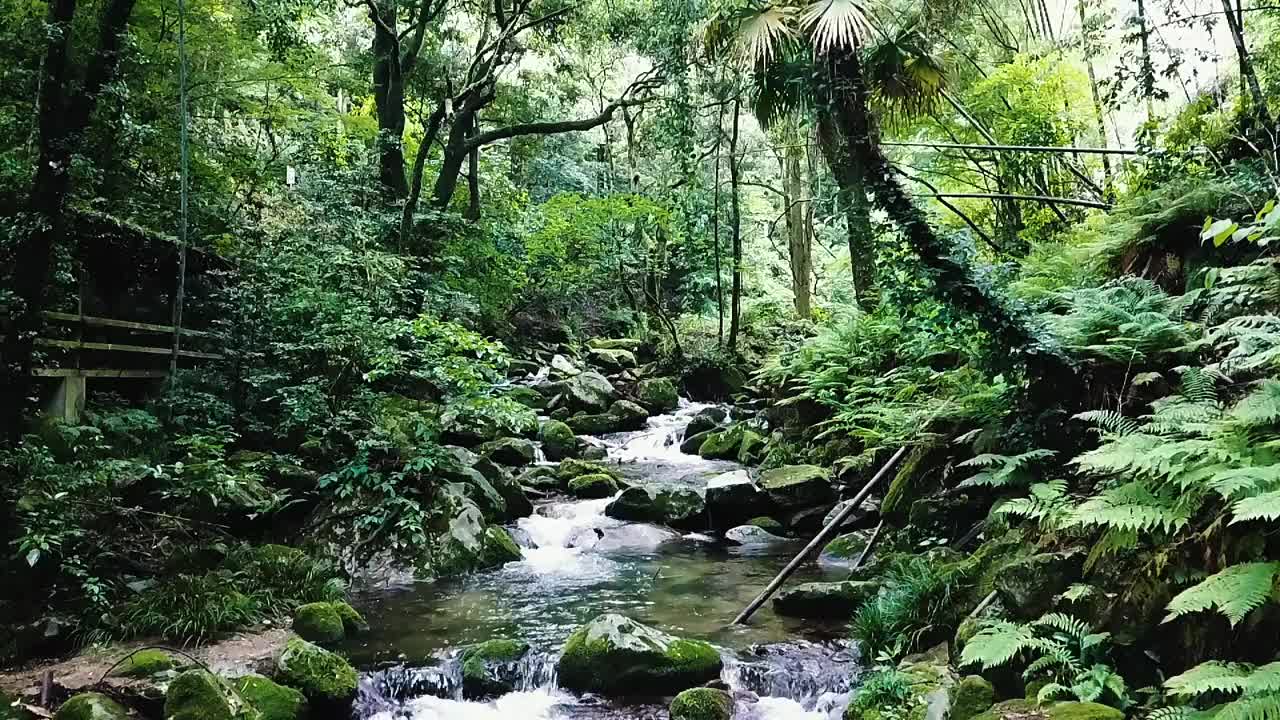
819, 539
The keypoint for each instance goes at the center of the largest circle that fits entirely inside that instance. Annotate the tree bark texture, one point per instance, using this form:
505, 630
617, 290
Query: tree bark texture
735, 211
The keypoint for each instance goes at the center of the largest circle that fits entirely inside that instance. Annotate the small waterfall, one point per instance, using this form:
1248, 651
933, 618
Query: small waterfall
660, 440
397, 691
814, 677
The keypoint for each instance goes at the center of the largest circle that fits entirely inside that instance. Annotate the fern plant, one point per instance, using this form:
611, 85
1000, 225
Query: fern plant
1234, 592
1058, 647
1251, 693
999, 471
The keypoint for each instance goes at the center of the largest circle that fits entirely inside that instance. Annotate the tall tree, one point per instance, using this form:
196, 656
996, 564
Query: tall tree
735, 213
64, 109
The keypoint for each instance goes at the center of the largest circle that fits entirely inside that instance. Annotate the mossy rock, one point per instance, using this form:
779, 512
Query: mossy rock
471, 545
91, 706
679, 507
271, 699
702, 704
614, 655
558, 440
353, 623
542, 477
751, 448
510, 451
844, 550
1028, 710
628, 415
570, 469
499, 548
972, 695
722, 445
692, 442
319, 622
628, 344
612, 360
593, 486
201, 695
594, 423
768, 524
658, 395
797, 486
324, 677
145, 663
488, 668
528, 397
834, 601
1028, 586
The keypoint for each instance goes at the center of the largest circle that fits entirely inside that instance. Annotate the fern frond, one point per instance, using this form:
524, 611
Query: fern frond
1052, 691
1209, 677
1108, 421
1265, 506
1198, 385
1264, 706
1131, 507
1233, 592
1260, 408
997, 644
1047, 504
1072, 627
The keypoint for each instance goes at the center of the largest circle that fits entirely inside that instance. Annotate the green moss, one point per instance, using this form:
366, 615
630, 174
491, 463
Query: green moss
319, 623
499, 548
658, 394
722, 445
145, 663
846, 547
1082, 711
558, 440
767, 523
322, 676
572, 468
481, 667
91, 706
272, 700
200, 695
973, 695
353, 623
751, 447
593, 486
899, 489
702, 704
614, 655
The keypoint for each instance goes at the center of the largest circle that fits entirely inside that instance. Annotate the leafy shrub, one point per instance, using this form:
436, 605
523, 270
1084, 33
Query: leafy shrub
190, 607
916, 596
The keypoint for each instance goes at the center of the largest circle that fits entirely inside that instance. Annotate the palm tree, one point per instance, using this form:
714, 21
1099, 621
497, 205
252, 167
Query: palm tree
820, 58
833, 58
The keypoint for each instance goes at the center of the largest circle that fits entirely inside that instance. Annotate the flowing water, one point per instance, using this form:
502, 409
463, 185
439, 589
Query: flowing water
577, 564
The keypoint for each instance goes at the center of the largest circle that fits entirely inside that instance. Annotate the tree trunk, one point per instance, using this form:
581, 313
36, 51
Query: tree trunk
62, 121
388, 98
735, 210
799, 230
1089, 49
1147, 78
473, 175
419, 168
455, 155
1260, 109
715, 229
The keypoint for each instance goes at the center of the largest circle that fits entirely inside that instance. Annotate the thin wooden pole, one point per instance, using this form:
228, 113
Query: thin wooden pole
870, 546
819, 539
1017, 148
1029, 198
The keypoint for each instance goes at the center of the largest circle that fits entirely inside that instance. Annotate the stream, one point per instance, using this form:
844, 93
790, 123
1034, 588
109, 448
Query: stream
577, 564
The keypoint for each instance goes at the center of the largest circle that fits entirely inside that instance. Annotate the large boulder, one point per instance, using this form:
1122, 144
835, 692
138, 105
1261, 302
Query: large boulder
692, 443
91, 706
733, 498
593, 487
570, 469
271, 699
563, 367
318, 622
141, 664
1028, 586
628, 344
612, 360
658, 394
516, 452
797, 486
614, 655
679, 507
628, 415
324, 677
588, 392
722, 445
558, 440
490, 668
751, 448
201, 695
469, 545
504, 483
706, 419
528, 397
702, 704
866, 509
834, 600
844, 551
1028, 710
972, 695
753, 536
541, 478
594, 423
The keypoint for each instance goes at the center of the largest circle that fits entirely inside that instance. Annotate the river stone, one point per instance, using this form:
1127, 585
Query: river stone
752, 535
527, 397
318, 622
470, 545
563, 367
517, 504
628, 415
589, 392
844, 550
867, 508
751, 448
141, 664
706, 419
629, 344
572, 468
324, 677
796, 486
595, 452
1029, 710
973, 695
558, 440
593, 487
806, 521
516, 452
658, 394
475, 487
91, 706
679, 507
541, 477
490, 668
594, 423
691, 443
832, 601
722, 445
272, 700
612, 360
614, 655
702, 704
768, 524
201, 695
732, 498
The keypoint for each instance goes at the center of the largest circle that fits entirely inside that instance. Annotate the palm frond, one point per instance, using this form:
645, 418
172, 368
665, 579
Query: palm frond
763, 33
835, 25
